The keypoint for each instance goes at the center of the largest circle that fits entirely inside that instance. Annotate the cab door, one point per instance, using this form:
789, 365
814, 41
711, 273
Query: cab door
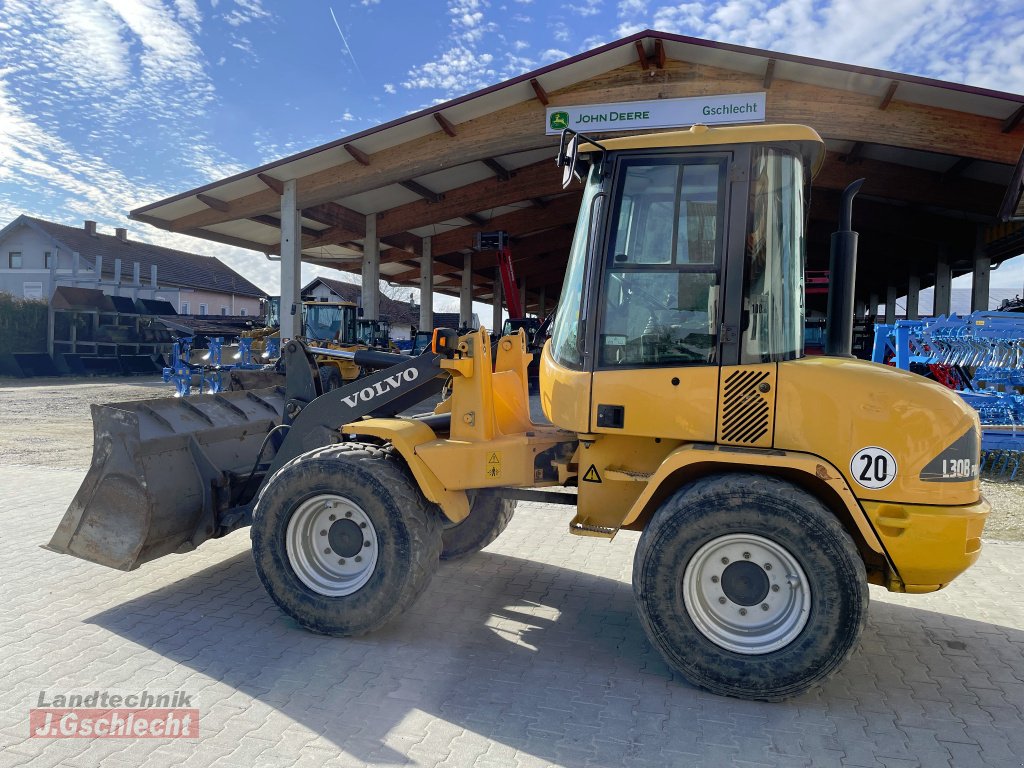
663, 330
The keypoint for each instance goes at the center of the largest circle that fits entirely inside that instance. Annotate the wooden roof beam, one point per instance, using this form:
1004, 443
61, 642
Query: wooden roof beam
956, 170
360, 157
475, 219
274, 221
659, 53
538, 179
887, 99
445, 123
769, 74
642, 55
418, 189
213, 202
855, 152
503, 173
538, 90
275, 184
1013, 120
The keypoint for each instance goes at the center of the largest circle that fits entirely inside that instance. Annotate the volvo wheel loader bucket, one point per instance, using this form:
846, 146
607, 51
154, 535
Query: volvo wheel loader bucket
162, 473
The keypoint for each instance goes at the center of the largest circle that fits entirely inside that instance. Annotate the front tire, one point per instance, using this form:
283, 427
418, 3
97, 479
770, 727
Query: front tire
343, 539
330, 378
488, 517
750, 587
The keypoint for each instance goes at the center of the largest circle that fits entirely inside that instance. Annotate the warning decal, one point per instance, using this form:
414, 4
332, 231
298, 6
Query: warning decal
493, 467
591, 475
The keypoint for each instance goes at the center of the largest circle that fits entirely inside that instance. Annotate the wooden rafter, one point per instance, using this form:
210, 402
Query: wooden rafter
769, 74
446, 124
475, 219
538, 89
659, 53
956, 170
360, 157
1014, 120
418, 189
538, 179
642, 55
503, 173
274, 221
887, 99
855, 152
275, 184
213, 202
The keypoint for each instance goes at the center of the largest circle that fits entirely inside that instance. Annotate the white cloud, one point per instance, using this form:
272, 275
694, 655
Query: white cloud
246, 11
553, 54
348, 117
590, 9
462, 66
389, 88
520, 45
370, 2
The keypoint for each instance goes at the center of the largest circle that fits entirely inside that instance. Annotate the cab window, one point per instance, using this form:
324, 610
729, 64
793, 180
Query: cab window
661, 288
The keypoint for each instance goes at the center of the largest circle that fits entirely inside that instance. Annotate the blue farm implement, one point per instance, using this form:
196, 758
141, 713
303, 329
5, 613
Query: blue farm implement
208, 376
981, 356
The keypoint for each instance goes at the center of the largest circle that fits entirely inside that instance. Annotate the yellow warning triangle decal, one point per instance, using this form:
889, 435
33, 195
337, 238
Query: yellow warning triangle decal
591, 475
493, 459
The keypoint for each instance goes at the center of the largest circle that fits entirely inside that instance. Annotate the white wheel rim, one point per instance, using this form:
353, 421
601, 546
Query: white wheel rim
332, 545
723, 579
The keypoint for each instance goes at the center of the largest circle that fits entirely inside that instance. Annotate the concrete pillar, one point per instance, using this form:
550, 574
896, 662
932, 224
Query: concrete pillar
371, 270
913, 297
466, 291
890, 304
522, 295
982, 268
496, 322
291, 262
872, 305
426, 287
541, 301
943, 284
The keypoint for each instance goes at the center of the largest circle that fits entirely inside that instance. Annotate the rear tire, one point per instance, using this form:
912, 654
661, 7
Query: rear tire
330, 378
487, 518
344, 540
768, 626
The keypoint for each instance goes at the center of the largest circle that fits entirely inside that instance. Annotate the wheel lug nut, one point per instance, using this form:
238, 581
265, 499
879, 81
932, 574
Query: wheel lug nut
775, 587
767, 566
348, 514
721, 600
743, 611
362, 525
341, 561
746, 555
323, 533
725, 561
327, 551
333, 517
359, 559
366, 543
764, 606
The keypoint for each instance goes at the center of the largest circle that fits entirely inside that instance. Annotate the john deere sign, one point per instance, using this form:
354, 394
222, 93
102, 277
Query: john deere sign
660, 113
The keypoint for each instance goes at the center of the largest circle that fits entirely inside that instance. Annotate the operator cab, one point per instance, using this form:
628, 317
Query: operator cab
688, 252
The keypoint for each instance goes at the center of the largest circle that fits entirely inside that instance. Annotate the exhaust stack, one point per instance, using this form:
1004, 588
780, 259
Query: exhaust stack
842, 279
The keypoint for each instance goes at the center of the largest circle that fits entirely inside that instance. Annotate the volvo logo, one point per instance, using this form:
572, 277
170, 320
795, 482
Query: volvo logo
366, 394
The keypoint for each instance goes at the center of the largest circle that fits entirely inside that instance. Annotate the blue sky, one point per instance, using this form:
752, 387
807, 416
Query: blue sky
109, 104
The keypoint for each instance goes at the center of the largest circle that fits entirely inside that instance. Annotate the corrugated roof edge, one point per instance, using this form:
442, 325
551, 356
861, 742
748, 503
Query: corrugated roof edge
630, 40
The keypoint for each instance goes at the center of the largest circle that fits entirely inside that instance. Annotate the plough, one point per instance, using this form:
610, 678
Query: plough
209, 376
981, 356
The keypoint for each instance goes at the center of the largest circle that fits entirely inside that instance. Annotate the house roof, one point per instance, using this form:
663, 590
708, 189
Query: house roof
396, 312
174, 268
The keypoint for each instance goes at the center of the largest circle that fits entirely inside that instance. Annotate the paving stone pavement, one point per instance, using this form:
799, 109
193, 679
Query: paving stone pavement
527, 654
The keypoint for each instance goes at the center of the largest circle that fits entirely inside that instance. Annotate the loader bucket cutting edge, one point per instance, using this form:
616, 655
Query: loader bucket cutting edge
161, 472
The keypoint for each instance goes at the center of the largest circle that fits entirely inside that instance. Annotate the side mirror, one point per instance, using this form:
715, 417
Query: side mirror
571, 156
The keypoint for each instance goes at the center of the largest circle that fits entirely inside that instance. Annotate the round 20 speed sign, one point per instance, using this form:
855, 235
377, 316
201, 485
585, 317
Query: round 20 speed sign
873, 467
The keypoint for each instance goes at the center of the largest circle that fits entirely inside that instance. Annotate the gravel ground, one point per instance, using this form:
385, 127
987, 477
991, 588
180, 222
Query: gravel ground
46, 423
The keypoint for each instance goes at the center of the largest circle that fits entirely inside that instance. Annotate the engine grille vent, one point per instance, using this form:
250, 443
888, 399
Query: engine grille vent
746, 413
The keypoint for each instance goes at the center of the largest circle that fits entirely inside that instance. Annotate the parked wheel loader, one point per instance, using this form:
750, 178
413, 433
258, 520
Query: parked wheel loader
769, 489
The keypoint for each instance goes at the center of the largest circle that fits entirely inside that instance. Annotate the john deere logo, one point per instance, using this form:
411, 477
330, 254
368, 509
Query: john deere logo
559, 121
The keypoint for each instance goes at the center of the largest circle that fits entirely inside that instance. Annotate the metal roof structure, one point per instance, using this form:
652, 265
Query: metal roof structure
941, 159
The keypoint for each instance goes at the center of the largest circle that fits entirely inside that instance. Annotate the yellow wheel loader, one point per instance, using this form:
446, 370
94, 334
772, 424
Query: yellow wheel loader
769, 489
